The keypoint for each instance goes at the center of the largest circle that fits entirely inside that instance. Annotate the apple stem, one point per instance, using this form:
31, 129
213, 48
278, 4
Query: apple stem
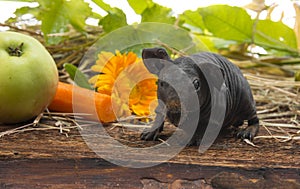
15, 51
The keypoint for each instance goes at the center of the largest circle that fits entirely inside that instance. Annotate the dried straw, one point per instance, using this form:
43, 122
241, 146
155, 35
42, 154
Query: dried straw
277, 97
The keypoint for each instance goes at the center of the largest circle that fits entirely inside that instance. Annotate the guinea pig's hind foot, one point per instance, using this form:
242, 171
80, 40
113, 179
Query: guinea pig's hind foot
250, 131
150, 134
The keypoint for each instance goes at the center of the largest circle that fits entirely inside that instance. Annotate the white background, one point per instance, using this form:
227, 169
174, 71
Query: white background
178, 6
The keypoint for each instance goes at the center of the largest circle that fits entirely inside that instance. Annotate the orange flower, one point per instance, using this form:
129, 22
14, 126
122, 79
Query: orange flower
125, 78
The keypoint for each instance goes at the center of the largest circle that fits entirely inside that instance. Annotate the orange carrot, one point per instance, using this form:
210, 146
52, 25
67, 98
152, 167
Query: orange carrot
70, 99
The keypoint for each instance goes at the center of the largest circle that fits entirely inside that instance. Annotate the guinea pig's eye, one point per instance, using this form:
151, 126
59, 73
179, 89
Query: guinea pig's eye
196, 83
161, 84
162, 52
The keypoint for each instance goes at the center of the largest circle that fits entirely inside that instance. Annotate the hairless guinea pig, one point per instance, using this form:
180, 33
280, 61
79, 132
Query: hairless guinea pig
239, 102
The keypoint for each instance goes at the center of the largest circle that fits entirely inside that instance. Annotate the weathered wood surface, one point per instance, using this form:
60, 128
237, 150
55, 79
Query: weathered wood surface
47, 159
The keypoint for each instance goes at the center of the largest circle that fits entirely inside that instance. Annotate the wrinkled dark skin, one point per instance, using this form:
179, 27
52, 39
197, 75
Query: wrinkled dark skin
240, 104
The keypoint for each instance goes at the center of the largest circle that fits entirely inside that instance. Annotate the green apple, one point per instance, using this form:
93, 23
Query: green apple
28, 77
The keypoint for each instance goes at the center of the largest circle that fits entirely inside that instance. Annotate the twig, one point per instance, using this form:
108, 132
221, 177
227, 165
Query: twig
37, 119
128, 125
250, 143
15, 130
20, 29
174, 51
279, 137
282, 125
164, 142
282, 114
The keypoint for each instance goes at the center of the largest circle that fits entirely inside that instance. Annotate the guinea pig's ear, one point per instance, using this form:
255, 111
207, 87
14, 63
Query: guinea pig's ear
154, 65
213, 74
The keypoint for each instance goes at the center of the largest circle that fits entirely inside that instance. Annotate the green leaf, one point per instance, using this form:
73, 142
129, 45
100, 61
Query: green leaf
113, 20
232, 23
158, 13
57, 14
24, 10
77, 12
30, 1
53, 21
106, 7
212, 43
275, 35
194, 19
77, 76
136, 37
139, 6
96, 16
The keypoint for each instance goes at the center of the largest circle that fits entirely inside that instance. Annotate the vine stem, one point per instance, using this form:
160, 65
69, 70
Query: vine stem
20, 29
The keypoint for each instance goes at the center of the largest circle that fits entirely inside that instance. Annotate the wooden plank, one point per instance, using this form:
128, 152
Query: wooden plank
42, 159
98, 173
225, 151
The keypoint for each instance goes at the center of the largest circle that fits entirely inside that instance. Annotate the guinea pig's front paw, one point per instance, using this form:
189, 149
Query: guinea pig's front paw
248, 133
150, 134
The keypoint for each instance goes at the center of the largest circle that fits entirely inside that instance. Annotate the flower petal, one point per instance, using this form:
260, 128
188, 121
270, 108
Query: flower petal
127, 80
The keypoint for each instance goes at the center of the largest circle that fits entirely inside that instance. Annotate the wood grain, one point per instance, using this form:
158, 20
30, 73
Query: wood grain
47, 159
